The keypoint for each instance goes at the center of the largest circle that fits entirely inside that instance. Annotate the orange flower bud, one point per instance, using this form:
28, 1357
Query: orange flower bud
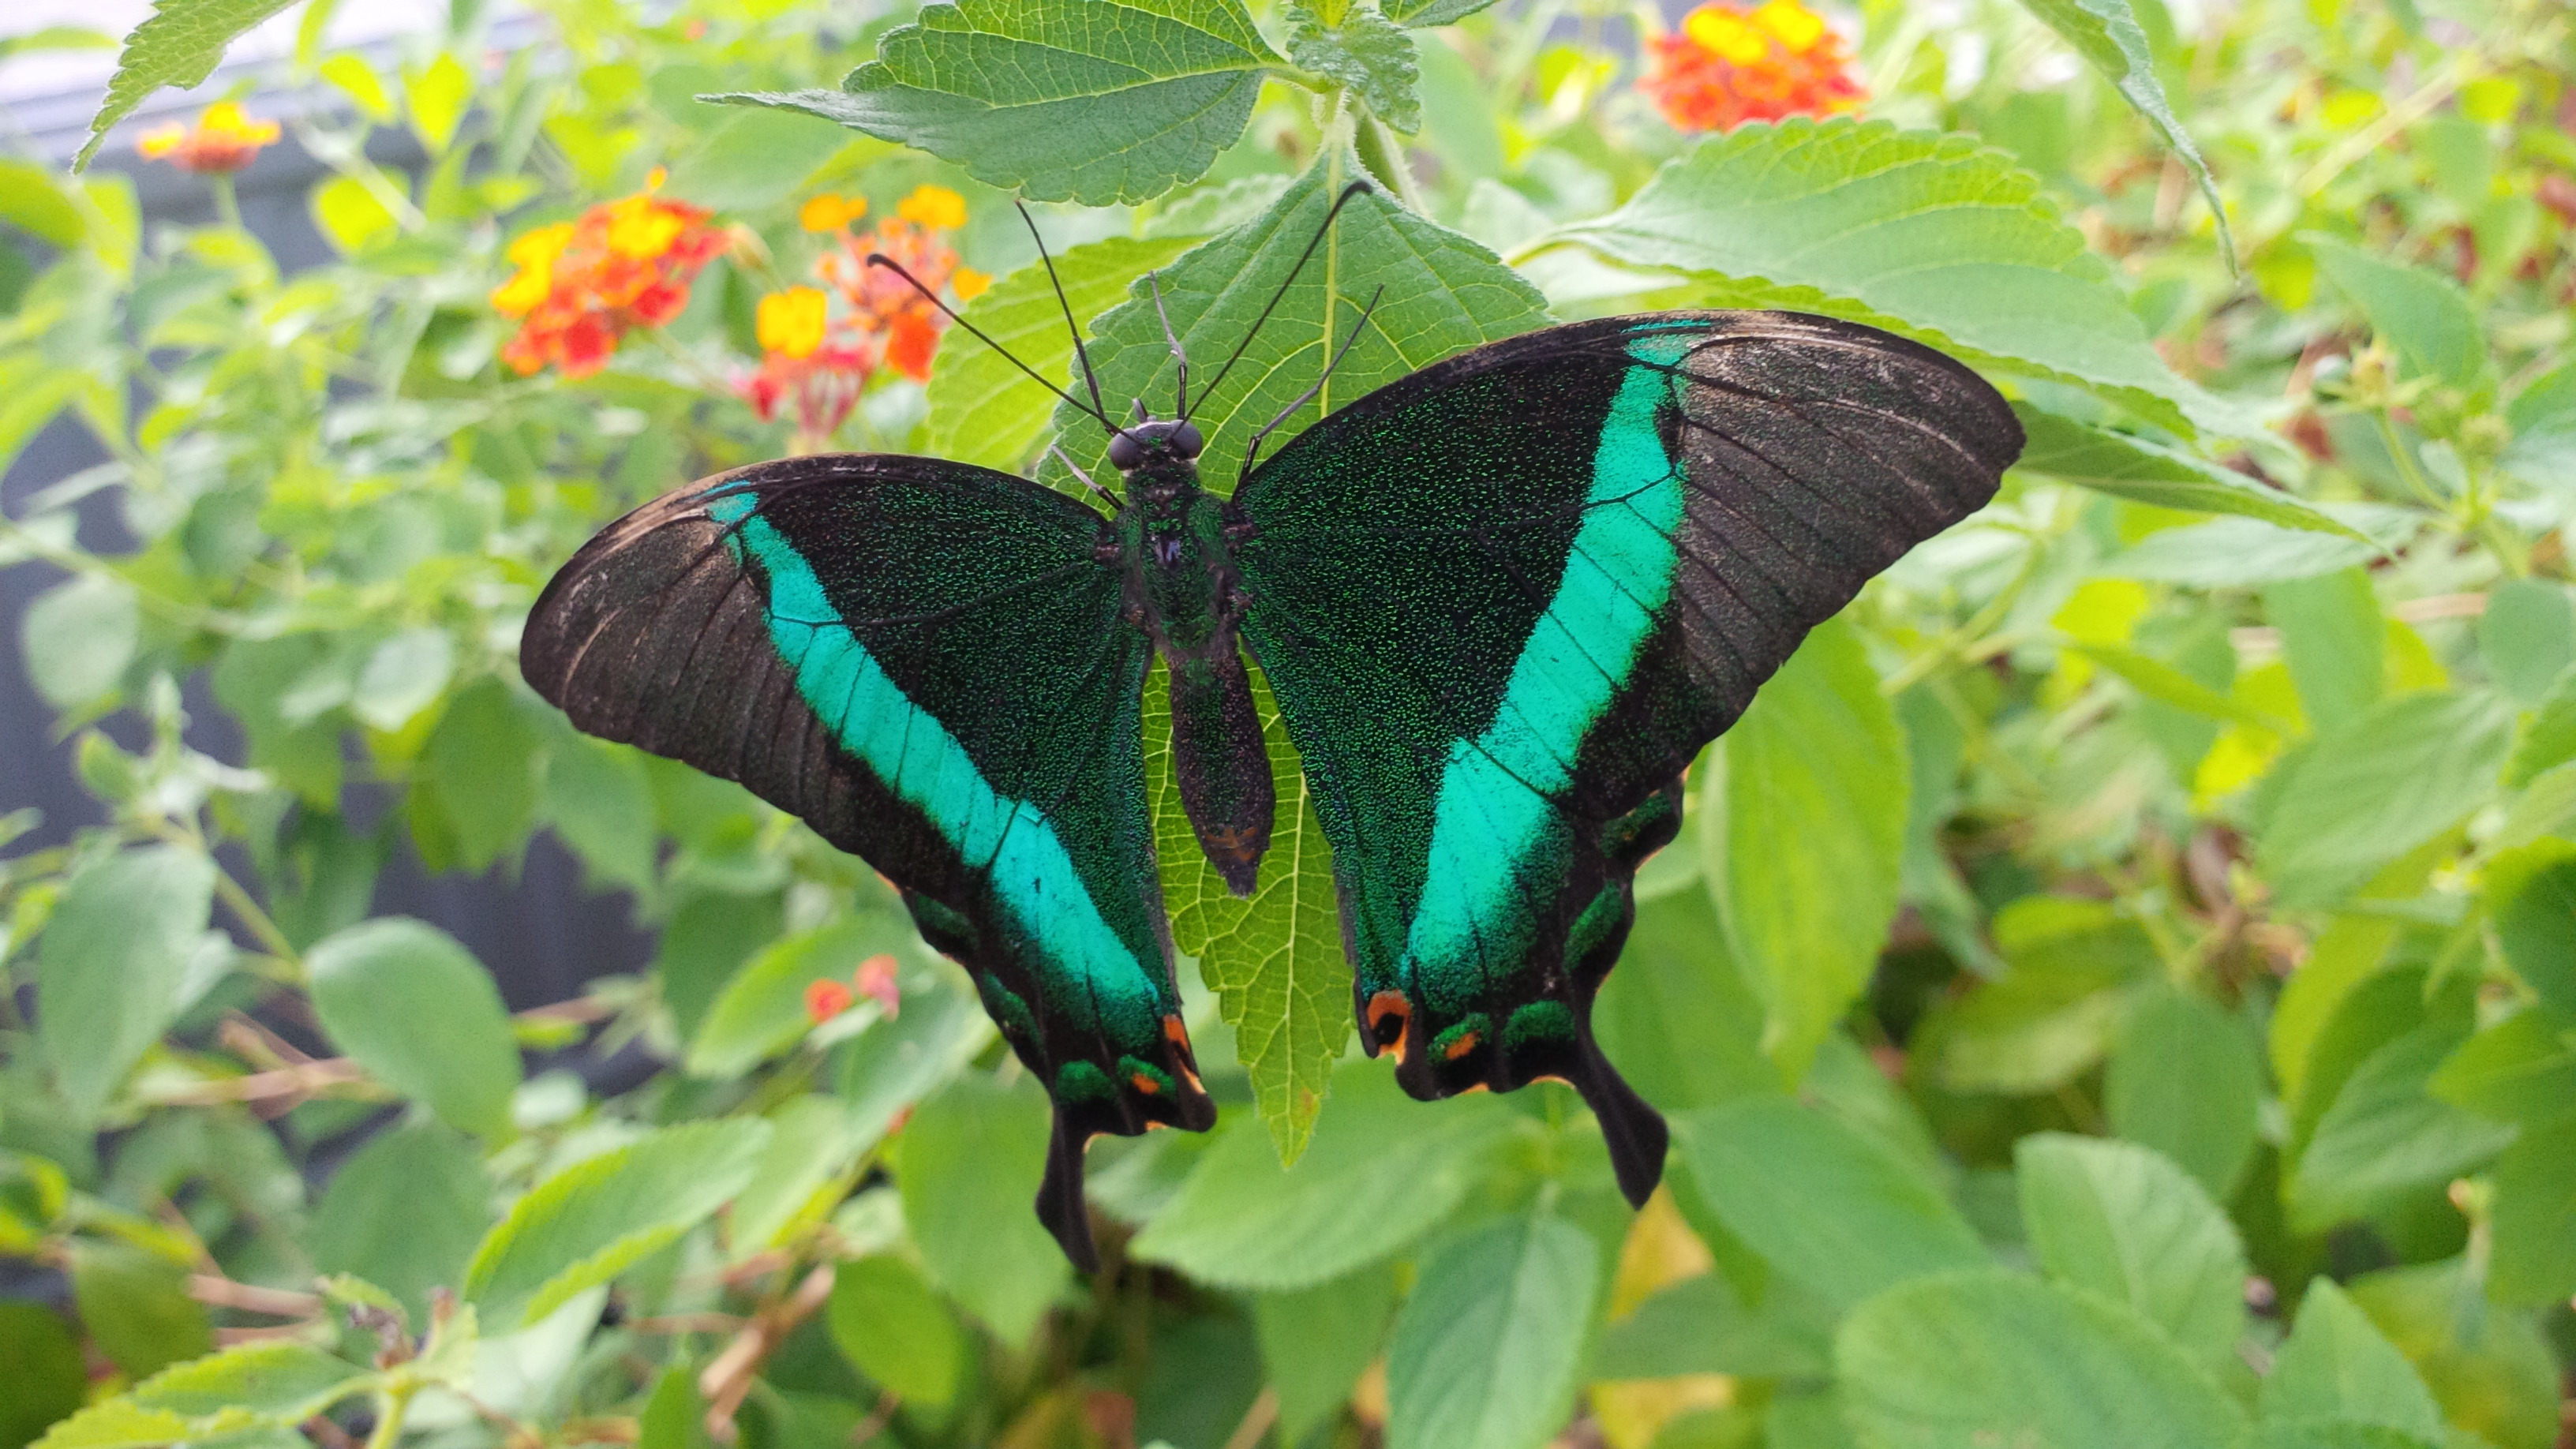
826, 999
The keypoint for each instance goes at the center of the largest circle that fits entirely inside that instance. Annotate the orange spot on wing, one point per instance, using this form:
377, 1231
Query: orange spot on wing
1465, 1043
1174, 1032
1146, 1084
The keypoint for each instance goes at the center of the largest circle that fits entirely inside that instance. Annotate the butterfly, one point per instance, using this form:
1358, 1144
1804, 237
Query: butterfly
1501, 604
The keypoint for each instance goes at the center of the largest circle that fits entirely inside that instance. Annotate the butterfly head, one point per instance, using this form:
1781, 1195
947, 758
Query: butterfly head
1145, 444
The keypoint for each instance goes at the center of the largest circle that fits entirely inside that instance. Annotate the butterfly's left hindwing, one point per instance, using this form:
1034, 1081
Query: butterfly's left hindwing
1502, 604
926, 661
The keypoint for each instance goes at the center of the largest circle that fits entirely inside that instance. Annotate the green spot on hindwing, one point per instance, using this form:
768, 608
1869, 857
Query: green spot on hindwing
1083, 1082
1540, 1021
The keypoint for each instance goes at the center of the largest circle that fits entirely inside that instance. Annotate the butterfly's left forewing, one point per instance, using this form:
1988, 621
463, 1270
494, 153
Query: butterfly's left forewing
927, 662
1504, 602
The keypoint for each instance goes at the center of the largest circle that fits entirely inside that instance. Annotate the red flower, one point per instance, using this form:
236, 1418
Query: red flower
582, 285
1727, 66
825, 999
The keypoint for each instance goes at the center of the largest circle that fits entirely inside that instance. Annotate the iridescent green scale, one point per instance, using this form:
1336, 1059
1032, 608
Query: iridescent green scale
1501, 604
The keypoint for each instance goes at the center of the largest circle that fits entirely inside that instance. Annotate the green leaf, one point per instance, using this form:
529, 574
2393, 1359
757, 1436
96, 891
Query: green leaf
754, 158
2422, 314
79, 636
179, 44
1443, 294
987, 412
119, 1423
2377, 787
2489, 1368
1702, 1325
2050, 1016
1818, 1201
414, 1008
1421, 13
1677, 1016
136, 1307
761, 1012
884, 1318
2106, 33
404, 1213
896, 1063
1380, 1171
2549, 740
1802, 833
2532, 1259
2337, 1365
1274, 959
2185, 1079
284, 1382
2331, 1434
704, 944
2386, 1133
403, 676
597, 796
437, 95
2528, 638
806, 1168
1316, 1342
2531, 897
972, 1157
1484, 1352
2143, 470
2242, 553
594, 1219
2334, 640
2165, 684
2520, 1069
2125, 1222
483, 758
41, 1363
1116, 101
113, 963
1929, 236
352, 215
32, 201
1365, 52
2020, 1363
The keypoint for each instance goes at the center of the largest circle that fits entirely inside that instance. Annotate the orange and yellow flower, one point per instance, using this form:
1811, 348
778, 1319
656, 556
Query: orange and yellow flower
223, 141
582, 285
821, 345
826, 998
1728, 65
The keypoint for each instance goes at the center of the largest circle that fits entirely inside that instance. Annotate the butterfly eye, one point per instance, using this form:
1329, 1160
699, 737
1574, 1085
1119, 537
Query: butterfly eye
1124, 453
1186, 441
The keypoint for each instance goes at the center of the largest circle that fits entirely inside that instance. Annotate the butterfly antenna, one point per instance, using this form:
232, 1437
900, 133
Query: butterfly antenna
1056, 450
880, 259
1354, 189
1089, 378
1180, 359
1252, 451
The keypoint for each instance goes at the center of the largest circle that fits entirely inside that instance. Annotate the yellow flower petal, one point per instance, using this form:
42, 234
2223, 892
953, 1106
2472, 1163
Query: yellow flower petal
1797, 27
934, 206
791, 322
831, 213
968, 283
1720, 31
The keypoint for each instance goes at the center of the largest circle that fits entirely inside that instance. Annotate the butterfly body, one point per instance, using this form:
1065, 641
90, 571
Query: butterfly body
1501, 605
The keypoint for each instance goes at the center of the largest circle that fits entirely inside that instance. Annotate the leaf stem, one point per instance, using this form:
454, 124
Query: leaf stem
391, 1406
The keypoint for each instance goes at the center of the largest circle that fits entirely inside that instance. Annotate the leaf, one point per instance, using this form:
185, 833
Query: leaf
1818, 1201
1930, 236
2328, 1434
2377, 787
972, 1157
987, 412
896, 1063
1420, 13
2528, 638
119, 1423
2549, 740
415, 1009
2050, 1016
2143, 470
2165, 684
31, 201
1316, 1342
2334, 640
2386, 1133
1275, 959
704, 944
1677, 1015
1364, 51
1379, 1172
1115, 101
2531, 898
761, 1012
754, 158
483, 758
136, 1307
113, 963
2520, 1069
404, 1213
1702, 1325
597, 796
2125, 1222
2337, 1365
282, 1382
2424, 315
403, 676
591, 1221
2489, 1368
885, 1319
2532, 1260
2106, 33
2244, 553
179, 44
79, 636
437, 95
2020, 1363
1442, 295
41, 1363
1802, 834
2186, 1080
1483, 1354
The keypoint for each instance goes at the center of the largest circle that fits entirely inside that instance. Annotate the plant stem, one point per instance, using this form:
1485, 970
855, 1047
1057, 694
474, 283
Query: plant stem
227, 201
391, 1406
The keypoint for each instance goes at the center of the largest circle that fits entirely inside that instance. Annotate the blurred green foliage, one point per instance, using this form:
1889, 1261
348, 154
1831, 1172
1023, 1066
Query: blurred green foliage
2119, 987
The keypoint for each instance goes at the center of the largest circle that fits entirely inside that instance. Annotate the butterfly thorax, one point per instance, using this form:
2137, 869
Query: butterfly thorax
1183, 590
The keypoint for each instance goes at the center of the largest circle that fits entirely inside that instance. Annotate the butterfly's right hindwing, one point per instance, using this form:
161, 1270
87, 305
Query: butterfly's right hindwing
925, 661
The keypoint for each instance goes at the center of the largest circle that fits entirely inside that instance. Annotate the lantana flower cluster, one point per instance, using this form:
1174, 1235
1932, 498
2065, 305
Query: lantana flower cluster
826, 997
224, 140
1728, 65
582, 285
821, 344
